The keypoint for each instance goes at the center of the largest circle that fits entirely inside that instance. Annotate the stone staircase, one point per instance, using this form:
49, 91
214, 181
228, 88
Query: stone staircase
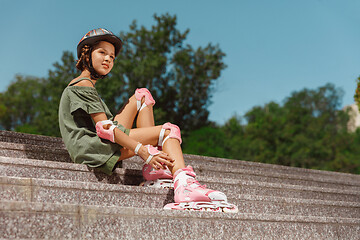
44, 195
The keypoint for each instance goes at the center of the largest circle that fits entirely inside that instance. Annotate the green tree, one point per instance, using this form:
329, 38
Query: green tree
347, 154
314, 124
234, 140
20, 103
263, 133
180, 78
308, 130
304, 132
52, 88
30, 104
206, 141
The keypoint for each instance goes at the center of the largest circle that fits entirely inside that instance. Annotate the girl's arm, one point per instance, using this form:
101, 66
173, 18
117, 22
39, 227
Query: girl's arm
121, 138
127, 142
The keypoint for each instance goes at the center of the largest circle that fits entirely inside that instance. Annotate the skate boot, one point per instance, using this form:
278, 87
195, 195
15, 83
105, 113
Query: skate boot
157, 178
190, 195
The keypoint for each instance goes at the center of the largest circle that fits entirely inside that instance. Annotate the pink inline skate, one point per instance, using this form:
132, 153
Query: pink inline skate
190, 195
157, 178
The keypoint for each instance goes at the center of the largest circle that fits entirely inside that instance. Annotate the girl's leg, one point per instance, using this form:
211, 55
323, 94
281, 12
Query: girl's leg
147, 133
173, 148
146, 117
150, 135
127, 114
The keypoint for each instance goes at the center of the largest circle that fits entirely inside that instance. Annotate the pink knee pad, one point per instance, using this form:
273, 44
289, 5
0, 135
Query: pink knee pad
174, 133
107, 134
139, 94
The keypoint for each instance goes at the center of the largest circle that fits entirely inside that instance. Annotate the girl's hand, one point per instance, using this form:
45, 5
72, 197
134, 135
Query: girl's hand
159, 158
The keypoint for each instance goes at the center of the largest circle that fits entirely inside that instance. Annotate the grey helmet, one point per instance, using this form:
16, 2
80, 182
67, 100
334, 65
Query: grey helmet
92, 38
97, 35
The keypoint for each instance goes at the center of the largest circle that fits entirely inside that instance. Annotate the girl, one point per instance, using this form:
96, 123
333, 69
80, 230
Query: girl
94, 137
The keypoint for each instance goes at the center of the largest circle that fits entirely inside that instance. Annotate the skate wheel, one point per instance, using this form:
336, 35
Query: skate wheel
203, 206
234, 209
172, 206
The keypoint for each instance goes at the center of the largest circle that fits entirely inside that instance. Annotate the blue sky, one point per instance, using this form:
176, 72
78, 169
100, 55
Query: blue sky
272, 47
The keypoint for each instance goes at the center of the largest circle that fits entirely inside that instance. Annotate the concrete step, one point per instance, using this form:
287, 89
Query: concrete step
29, 151
77, 172
32, 139
57, 170
209, 167
60, 191
227, 168
238, 167
22, 167
58, 199
76, 221
22, 145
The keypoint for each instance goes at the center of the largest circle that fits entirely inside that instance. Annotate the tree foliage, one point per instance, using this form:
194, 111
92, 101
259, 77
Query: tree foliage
31, 104
58, 79
180, 77
20, 104
208, 141
308, 130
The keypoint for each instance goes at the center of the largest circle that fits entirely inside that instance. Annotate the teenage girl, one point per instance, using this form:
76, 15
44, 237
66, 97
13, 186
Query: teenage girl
93, 136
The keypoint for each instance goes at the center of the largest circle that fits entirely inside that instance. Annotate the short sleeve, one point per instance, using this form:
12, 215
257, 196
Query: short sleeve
86, 99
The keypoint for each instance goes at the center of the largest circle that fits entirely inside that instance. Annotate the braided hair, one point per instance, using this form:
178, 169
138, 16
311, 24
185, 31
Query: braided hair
85, 62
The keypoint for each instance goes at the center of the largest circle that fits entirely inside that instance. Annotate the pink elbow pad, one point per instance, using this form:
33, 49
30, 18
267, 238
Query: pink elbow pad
107, 134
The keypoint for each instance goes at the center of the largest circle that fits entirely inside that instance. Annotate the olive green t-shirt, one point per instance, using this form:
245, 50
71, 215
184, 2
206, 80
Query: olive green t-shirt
78, 129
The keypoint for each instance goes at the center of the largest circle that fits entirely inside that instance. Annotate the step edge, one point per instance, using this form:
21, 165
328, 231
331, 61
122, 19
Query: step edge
14, 206
101, 187
83, 168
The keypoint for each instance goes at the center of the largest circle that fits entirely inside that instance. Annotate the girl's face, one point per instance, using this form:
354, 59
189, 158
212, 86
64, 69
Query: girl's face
103, 57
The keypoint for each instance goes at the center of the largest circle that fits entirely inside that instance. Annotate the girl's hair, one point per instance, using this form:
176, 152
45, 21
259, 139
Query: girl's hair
84, 59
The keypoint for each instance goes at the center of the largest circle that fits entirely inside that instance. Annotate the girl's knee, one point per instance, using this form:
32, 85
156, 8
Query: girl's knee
132, 99
166, 133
